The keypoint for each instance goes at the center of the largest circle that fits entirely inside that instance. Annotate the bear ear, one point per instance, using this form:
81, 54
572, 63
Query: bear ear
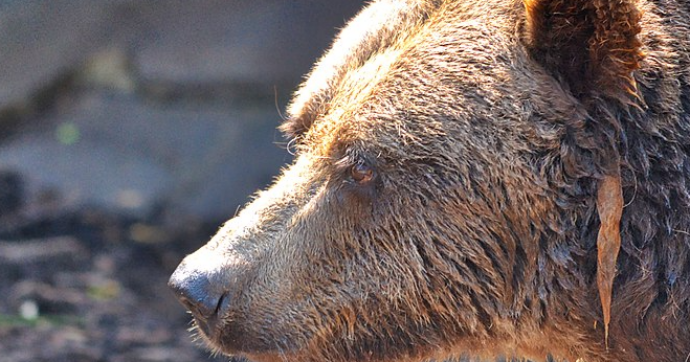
591, 45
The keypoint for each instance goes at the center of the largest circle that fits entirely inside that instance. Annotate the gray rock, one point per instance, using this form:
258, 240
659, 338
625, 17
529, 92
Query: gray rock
153, 103
265, 41
41, 40
116, 151
271, 42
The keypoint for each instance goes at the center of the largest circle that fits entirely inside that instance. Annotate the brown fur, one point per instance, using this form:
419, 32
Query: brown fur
491, 128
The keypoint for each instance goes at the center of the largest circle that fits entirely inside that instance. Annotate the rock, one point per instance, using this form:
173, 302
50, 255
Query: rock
249, 41
122, 153
140, 104
41, 41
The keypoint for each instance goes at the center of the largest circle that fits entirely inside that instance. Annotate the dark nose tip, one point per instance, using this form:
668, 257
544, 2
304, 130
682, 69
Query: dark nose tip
202, 292
196, 292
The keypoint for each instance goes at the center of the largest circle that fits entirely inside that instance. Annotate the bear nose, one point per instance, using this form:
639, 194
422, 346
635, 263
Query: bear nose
196, 292
202, 290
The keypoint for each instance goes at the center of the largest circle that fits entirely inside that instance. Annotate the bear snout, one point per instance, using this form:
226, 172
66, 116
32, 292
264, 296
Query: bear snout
202, 283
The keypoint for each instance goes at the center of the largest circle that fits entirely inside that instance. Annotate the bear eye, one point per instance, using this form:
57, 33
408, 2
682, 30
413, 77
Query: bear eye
361, 173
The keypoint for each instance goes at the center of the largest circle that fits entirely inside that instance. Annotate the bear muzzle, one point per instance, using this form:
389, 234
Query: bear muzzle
204, 285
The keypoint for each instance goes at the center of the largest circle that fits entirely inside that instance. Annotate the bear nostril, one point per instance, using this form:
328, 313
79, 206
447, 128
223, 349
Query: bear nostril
201, 293
206, 284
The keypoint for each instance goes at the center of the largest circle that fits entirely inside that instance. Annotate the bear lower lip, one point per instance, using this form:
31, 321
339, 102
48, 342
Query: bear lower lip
231, 339
217, 340
205, 326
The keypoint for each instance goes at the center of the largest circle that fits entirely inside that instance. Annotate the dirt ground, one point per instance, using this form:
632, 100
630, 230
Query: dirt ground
88, 285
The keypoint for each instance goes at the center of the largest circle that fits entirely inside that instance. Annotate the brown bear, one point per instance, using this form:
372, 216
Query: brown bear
481, 178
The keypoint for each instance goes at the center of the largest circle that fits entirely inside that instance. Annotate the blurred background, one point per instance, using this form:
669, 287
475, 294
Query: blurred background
129, 131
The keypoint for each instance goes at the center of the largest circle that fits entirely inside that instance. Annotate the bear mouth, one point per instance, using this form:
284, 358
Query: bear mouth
226, 336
